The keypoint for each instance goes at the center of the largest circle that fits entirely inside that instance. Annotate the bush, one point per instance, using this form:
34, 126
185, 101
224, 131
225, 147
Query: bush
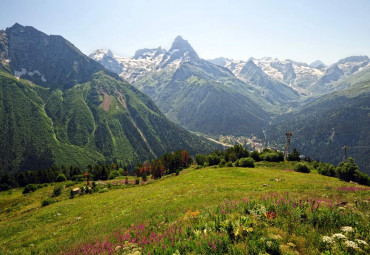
213, 160
30, 188
302, 168
200, 159
57, 190
273, 156
255, 155
113, 174
237, 163
71, 194
349, 171
294, 156
144, 178
70, 183
47, 201
246, 162
78, 178
61, 178
229, 164
177, 172
326, 169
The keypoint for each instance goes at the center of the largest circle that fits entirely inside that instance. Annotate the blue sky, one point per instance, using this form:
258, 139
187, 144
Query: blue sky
298, 29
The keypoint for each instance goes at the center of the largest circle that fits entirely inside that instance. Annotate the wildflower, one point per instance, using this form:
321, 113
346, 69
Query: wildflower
347, 229
339, 236
361, 242
268, 244
327, 239
270, 215
291, 244
351, 244
197, 232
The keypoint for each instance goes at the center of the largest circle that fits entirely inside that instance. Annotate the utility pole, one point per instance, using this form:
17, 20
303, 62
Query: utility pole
287, 145
345, 148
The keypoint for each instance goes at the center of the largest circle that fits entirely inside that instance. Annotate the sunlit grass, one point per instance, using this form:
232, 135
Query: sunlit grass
25, 225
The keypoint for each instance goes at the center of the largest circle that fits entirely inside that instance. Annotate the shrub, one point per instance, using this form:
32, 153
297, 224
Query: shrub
177, 172
144, 178
78, 178
255, 155
57, 190
349, 171
237, 163
222, 163
273, 156
346, 170
113, 174
294, 156
362, 178
326, 169
213, 160
200, 159
47, 201
61, 178
121, 171
302, 168
30, 188
315, 164
70, 183
71, 194
229, 164
246, 162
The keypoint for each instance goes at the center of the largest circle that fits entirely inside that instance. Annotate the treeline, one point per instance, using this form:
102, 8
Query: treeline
346, 171
237, 153
240, 157
167, 164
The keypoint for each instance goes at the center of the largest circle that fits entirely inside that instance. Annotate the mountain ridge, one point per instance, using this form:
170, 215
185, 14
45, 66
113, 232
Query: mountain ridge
91, 115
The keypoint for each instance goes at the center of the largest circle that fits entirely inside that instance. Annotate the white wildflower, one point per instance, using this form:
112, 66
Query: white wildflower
347, 229
290, 244
351, 244
339, 236
269, 244
361, 242
328, 239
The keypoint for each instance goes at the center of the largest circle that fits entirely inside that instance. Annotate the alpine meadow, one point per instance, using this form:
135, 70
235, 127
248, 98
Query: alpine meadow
184, 127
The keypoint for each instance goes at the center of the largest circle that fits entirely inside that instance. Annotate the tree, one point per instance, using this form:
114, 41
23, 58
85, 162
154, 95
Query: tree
294, 156
158, 169
61, 178
348, 170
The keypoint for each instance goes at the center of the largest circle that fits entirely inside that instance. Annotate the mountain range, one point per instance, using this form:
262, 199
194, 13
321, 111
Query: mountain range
60, 107
263, 97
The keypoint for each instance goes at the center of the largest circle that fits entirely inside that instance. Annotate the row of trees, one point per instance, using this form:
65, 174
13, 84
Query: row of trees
167, 164
237, 152
346, 171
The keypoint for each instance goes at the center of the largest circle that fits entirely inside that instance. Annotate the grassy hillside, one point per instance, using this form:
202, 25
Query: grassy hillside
85, 221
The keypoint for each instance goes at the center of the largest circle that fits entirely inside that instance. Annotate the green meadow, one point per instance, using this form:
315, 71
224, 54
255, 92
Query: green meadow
198, 196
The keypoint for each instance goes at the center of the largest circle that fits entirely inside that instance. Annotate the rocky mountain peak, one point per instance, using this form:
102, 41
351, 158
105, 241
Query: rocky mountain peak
317, 64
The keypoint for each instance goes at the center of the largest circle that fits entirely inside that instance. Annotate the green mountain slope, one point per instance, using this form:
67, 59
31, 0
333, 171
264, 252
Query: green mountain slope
205, 98
202, 96
321, 128
86, 116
